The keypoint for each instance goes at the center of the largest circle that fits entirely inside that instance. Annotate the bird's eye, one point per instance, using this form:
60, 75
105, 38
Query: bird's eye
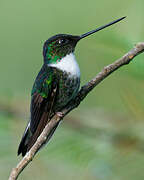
62, 41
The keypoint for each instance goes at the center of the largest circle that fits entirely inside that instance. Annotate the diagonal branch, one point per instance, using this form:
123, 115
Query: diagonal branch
126, 59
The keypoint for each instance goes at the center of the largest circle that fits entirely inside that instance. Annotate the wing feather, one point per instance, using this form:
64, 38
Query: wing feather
43, 96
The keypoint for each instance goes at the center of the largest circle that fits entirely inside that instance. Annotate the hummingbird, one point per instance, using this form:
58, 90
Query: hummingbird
55, 86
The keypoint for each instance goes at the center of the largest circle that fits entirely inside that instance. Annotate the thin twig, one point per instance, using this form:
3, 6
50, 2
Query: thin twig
126, 59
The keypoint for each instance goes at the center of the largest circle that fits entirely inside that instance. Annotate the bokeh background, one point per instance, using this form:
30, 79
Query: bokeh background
103, 139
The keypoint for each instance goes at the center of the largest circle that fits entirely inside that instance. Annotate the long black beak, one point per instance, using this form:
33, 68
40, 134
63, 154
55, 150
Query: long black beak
100, 28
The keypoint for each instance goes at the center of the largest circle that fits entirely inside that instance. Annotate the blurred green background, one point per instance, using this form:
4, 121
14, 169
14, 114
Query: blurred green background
103, 139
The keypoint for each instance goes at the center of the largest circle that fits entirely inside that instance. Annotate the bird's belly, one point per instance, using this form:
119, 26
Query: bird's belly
67, 90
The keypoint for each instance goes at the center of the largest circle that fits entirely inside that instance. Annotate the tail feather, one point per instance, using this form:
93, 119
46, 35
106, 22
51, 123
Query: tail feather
35, 136
29, 139
24, 141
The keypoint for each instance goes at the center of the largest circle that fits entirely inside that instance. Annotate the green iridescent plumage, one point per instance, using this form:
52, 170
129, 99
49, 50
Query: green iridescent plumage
56, 85
54, 50
67, 87
42, 85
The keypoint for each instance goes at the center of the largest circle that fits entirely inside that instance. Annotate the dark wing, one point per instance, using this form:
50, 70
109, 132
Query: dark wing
43, 96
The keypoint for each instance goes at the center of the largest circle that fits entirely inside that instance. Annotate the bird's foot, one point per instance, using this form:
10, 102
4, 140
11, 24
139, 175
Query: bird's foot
59, 114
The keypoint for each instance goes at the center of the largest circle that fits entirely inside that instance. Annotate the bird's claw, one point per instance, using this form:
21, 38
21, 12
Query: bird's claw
59, 114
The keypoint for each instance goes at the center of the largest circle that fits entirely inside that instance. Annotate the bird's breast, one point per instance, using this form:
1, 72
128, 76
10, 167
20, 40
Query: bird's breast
68, 64
67, 89
68, 75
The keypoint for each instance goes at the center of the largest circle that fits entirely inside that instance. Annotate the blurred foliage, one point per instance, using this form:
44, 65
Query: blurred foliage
103, 138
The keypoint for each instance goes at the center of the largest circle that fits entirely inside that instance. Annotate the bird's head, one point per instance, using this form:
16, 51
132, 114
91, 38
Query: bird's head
60, 45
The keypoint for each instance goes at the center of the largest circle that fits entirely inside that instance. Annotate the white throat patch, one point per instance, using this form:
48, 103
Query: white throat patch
68, 64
